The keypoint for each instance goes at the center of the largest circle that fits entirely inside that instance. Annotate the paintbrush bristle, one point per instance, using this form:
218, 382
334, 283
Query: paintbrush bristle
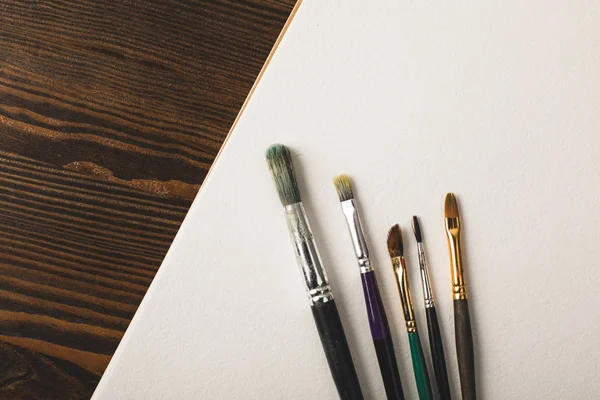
279, 160
343, 187
417, 229
394, 242
450, 206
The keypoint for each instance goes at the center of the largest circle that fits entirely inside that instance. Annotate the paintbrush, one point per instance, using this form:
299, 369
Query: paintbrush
433, 328
322, 303
462, 322
380, 330
396, 250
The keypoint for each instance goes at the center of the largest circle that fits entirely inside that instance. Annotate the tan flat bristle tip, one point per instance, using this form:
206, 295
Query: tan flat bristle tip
394, 242
450, 206
343, 187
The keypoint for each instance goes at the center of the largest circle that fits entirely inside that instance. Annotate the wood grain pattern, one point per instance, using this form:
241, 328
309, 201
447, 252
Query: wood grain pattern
111, 114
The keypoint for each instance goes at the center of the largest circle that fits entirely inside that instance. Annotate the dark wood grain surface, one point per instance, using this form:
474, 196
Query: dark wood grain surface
111, 113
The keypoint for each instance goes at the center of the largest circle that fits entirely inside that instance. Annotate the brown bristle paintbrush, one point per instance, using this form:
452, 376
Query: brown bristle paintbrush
322, 303
462, 322
396, 251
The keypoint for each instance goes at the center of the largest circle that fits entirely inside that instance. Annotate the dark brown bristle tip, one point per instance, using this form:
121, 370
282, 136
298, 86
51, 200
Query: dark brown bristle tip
279, 160
394, 242
343, 187
450, 206
416, 228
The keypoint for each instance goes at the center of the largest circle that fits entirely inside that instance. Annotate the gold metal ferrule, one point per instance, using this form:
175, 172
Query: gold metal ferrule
404, 290
459, 290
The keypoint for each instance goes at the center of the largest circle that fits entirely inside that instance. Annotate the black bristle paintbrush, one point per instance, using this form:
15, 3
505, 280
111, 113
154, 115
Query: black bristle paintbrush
325, 313
396, 250
378, 322
462, 321
433, 328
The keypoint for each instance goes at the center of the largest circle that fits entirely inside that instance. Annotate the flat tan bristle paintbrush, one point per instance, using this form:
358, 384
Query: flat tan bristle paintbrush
462, 321
378, 322
322, 303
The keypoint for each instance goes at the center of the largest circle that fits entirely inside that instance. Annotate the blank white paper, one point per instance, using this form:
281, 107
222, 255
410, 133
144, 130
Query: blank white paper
498, 102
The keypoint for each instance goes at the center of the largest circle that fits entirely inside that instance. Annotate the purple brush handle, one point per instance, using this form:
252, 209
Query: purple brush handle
377, 319
382, 338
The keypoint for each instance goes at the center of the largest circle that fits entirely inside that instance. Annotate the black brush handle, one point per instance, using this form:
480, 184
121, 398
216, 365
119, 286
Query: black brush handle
337, 351
437, 354
382, 337
389, 368
464, 349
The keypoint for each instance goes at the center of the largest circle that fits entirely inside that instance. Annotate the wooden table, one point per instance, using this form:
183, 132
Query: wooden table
111, 114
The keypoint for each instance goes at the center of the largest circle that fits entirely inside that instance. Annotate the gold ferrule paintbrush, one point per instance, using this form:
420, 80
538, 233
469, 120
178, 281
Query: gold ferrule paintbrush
452, 221
399, 265
396, 251
462, 321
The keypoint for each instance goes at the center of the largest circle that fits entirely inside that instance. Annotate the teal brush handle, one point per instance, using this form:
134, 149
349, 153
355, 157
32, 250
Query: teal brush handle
418, 360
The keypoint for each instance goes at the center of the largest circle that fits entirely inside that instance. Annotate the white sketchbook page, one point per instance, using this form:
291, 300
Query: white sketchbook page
496, 101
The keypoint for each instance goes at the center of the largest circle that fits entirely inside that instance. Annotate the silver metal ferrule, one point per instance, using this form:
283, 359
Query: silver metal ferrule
358, 237
309, 260
427, 292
